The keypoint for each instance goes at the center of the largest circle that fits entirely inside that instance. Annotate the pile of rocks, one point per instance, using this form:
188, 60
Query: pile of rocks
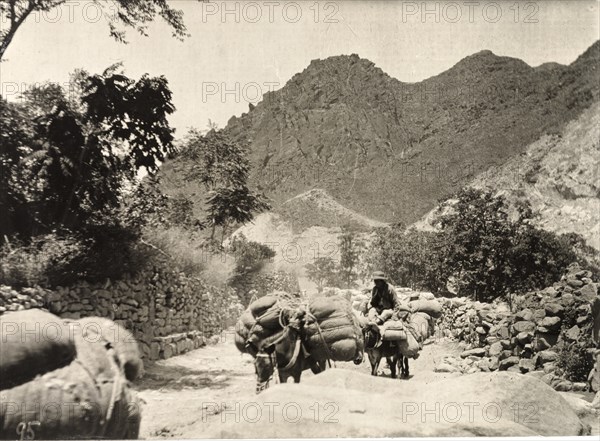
475, 323
11, 300
527, 340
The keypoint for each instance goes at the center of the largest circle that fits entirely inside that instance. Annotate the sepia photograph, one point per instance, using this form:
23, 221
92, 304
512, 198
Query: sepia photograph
311, 219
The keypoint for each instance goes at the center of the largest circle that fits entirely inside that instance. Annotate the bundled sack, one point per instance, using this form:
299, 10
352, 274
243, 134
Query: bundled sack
393, 330
431, 307
123, 342
422, 324
260, 323
410, 347
33, 342
89, 398
333, 330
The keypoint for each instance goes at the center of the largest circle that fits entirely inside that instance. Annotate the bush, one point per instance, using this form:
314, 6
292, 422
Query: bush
575, 360
46, 261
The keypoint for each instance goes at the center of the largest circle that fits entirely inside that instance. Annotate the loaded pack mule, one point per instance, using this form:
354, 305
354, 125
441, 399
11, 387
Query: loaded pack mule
287, 355
408, 335
377, 349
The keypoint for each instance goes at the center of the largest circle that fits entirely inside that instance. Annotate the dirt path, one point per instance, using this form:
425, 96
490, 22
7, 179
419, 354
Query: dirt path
184, 389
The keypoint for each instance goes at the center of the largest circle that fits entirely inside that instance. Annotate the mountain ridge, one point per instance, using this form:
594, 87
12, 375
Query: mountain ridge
390, 150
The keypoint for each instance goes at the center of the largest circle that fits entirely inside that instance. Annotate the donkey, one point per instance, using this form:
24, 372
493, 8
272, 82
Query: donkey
389, 350
288, 356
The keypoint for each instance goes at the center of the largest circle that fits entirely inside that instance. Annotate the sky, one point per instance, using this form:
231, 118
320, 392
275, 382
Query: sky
238, 50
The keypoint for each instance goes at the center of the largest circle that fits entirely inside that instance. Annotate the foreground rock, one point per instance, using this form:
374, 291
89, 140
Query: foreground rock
350, 404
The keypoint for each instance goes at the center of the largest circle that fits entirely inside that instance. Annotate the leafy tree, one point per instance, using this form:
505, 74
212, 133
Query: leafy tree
120, 14
409, 257
222, 166
229, 205
69, 163
489, 252
216, 160
493, 254
479, 237
322, 271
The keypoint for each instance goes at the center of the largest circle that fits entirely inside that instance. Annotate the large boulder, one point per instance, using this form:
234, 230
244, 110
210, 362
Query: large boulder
352, 404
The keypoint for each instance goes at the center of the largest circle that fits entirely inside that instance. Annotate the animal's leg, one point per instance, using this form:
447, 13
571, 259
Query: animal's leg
283, 377
374, 359
392, 362
316, 366
403, 363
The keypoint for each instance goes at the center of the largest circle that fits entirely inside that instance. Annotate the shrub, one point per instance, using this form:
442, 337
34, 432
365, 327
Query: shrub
575, 360
47, 261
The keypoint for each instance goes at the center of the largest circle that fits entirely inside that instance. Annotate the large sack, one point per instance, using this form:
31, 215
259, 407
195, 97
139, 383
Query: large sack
409, 347
323, 307
259, 306
119, 338
393, 330
422, 325
89, 398
33, 342
261, 322
270, 319
332, 329
431, 307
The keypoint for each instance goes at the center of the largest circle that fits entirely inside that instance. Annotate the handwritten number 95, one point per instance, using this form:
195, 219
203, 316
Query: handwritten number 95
25, 430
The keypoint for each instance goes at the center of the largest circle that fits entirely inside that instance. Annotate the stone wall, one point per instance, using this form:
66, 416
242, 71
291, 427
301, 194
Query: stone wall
168, 312
528, 339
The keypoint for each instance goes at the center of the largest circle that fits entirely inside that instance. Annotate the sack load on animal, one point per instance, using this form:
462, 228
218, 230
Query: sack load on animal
87, 398
422, 325
261, 322
332, 330
403, 307
393, 330
33, 342
431, 307
409, 347
119, 338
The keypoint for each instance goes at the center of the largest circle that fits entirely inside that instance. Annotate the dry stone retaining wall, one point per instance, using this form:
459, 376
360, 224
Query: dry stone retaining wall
168, 312
526, 340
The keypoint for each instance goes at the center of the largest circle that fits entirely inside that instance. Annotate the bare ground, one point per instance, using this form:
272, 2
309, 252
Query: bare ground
198, 385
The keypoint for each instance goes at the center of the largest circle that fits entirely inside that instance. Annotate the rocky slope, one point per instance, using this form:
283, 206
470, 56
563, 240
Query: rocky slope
389, 150
557, 175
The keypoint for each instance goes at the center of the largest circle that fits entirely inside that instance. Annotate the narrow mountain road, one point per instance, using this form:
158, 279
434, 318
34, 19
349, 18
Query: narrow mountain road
198, 385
